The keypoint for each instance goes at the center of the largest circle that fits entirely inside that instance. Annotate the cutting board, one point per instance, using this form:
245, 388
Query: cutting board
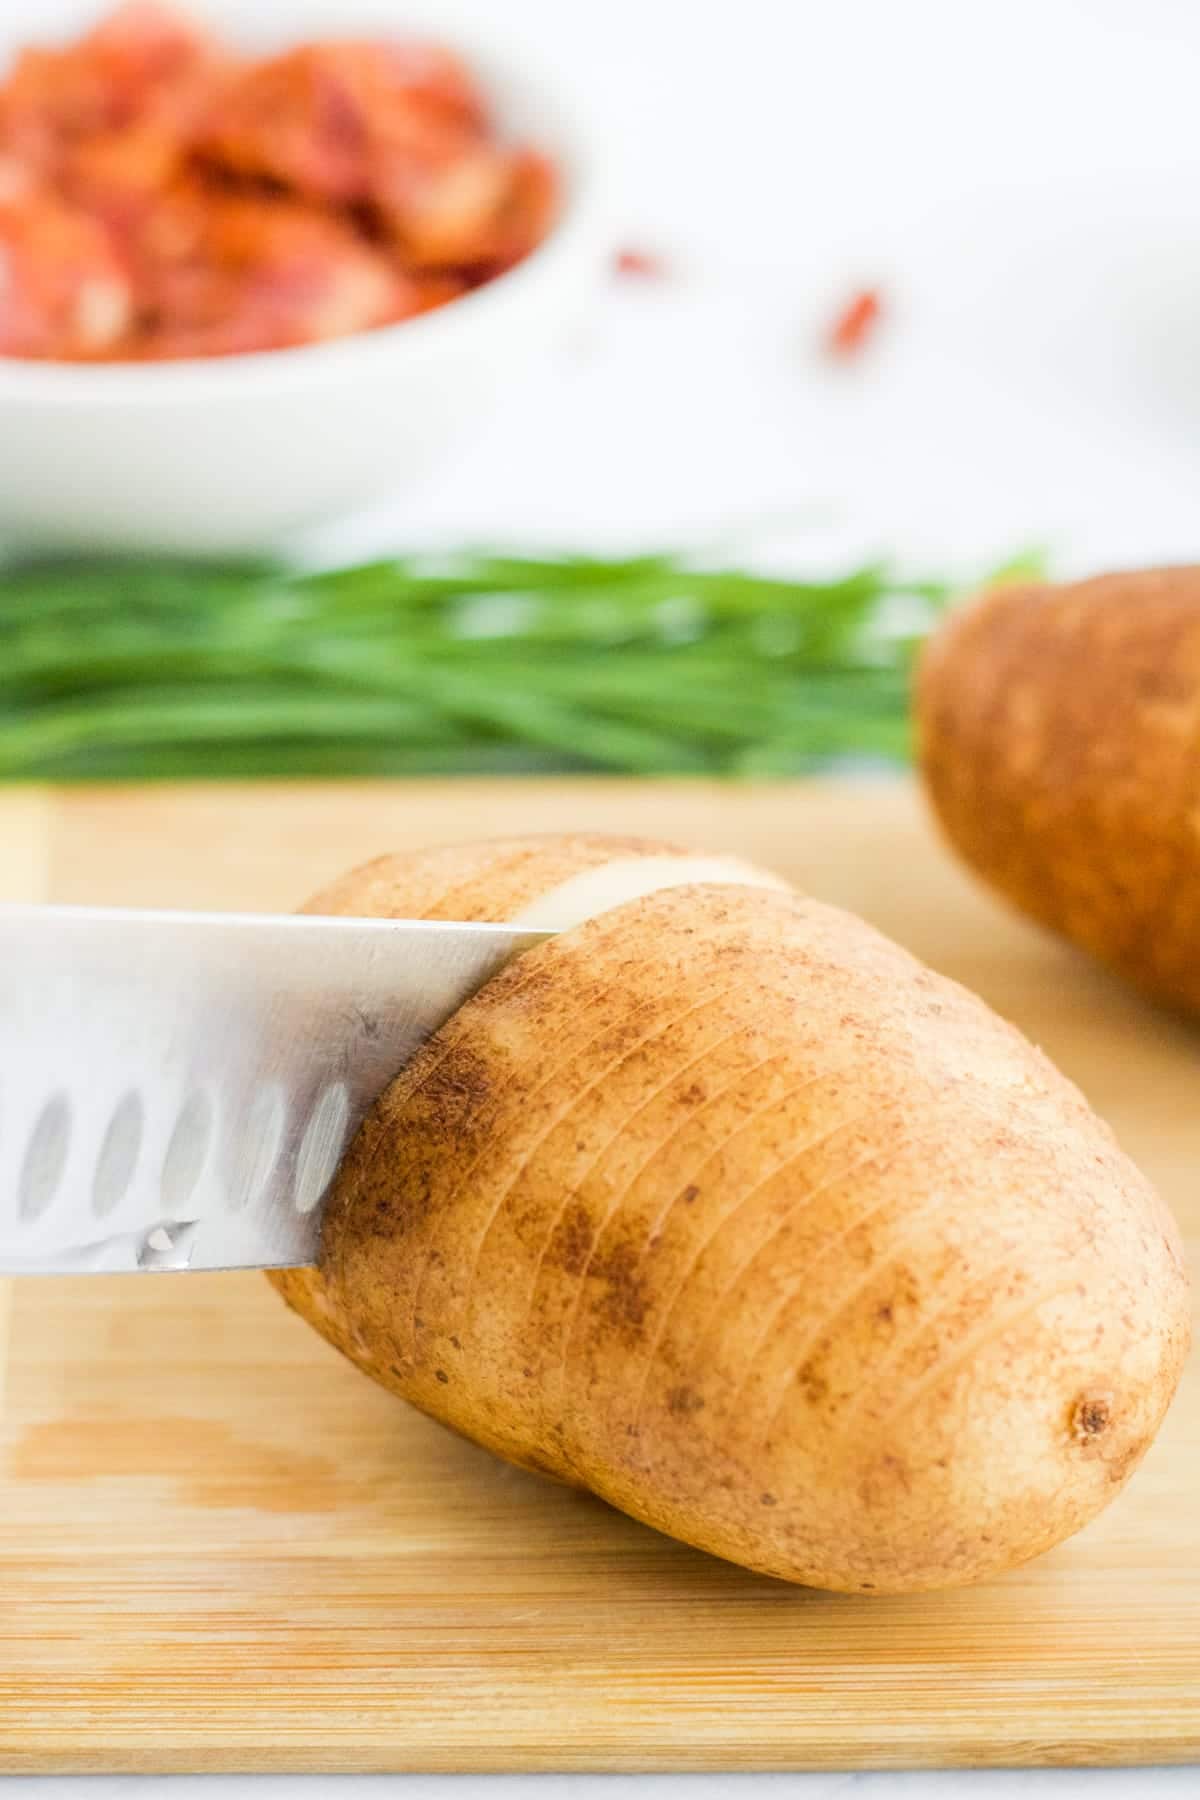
221, 1548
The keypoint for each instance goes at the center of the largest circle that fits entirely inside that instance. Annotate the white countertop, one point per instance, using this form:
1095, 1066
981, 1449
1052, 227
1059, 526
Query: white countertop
1022, 1784
1022, 179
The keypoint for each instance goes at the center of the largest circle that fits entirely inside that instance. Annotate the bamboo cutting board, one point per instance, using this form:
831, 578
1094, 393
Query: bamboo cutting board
220, 1548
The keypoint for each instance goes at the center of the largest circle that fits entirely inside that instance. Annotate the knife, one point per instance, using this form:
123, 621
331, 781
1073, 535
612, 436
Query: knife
177, 1089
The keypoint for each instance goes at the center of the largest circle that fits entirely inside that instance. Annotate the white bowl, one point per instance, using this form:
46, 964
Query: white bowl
230, 454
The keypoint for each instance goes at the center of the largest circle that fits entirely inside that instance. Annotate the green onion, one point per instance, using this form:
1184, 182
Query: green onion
482, 662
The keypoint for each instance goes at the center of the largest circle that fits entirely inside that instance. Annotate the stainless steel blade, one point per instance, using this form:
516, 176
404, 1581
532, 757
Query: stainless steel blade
177, 1089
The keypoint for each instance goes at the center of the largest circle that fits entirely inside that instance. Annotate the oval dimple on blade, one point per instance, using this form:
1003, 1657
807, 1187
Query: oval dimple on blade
45, 1158
118, 1156
187, 1152
261, 1143
321, 1147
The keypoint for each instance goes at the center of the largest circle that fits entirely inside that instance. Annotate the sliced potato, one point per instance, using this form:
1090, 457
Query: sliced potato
721, 1205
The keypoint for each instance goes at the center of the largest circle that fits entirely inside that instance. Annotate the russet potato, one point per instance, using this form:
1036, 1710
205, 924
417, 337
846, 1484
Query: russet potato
721, 1205
1060, 742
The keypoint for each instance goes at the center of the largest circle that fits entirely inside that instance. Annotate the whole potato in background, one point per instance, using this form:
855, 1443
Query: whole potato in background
1060, 743
720, 1204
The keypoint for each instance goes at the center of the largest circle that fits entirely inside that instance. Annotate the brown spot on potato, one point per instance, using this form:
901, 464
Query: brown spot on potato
571, 1243
906, 1291
1091, 1415
887, 1482
456, 1088
691, 1192
812, 1383
683, 1400
627, 1300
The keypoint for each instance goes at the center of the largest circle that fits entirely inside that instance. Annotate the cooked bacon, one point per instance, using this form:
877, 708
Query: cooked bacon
143, 61
245, 273
164, 199
854, 323
646, 265
318, 118
63, 291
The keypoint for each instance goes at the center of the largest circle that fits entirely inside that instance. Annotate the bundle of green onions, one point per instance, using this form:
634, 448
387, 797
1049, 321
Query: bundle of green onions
483, 663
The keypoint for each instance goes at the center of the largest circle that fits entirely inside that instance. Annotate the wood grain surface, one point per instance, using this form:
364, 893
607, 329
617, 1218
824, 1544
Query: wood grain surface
220, 1548
24, 851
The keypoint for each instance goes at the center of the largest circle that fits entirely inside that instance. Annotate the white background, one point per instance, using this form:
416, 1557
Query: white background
1023, 180
1022, 177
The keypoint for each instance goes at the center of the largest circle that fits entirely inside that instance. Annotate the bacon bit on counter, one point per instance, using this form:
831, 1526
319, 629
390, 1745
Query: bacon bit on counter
160, 198
631, 261
854, 325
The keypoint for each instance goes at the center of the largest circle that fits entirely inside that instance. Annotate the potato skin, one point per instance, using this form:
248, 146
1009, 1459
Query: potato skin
1060, 742
723, 1206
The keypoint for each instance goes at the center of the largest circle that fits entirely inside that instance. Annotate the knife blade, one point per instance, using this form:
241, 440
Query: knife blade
177, 1089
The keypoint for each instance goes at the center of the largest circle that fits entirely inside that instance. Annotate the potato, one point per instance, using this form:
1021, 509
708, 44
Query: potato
1060, 740
721, 1205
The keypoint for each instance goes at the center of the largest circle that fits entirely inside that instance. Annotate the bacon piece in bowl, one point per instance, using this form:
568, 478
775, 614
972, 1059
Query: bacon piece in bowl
318, 118
143, 64
398, 131
64, 291
241, 273
179, 202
